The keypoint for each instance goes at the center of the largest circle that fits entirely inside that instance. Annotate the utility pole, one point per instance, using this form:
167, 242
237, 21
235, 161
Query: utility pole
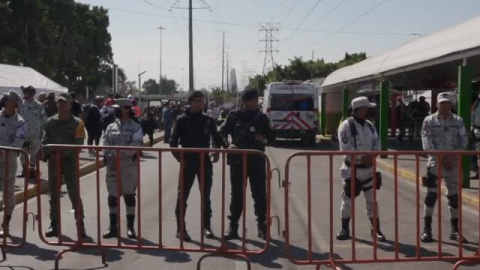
228, 75
190, 37
269, 49
140, 88
223, 59
161, 28
190, 46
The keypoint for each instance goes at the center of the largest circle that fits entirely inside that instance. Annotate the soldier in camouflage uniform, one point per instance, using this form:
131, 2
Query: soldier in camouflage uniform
63, 128
443, 130
122, 132
12, 134
33, 113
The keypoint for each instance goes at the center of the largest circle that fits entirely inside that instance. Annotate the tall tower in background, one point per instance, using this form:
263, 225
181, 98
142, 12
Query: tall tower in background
233, 81
269, 31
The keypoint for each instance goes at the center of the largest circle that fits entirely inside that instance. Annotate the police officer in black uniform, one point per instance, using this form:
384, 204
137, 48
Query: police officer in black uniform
249, 129
194, 129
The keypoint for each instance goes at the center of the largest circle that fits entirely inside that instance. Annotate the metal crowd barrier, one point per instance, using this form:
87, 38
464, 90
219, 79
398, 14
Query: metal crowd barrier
223, 251
332, 259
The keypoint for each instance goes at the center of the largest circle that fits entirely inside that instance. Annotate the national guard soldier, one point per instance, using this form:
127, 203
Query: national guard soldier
194, 129
249, 129
356, 133
12, 134
63, 128
33, 113
122, 132
442, 131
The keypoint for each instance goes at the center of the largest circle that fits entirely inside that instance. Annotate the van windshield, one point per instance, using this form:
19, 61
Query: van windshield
281, 102
292, 102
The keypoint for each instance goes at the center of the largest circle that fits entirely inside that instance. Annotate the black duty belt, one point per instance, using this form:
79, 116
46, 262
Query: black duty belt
357, 166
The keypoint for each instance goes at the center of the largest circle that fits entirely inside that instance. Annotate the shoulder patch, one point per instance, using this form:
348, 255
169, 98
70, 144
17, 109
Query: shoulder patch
80, 132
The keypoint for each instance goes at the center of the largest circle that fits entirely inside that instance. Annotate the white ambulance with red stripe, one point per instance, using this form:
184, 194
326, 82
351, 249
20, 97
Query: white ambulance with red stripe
292, 107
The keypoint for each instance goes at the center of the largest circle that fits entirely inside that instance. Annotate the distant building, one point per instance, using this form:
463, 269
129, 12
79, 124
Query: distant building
233, 86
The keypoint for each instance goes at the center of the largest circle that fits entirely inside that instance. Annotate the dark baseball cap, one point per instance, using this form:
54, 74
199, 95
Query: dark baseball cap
195, 94
249, 94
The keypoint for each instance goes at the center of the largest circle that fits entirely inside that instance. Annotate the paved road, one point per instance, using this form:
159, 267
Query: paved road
37, 255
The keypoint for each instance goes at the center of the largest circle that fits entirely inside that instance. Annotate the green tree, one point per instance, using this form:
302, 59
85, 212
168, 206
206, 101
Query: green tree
64, 40
298, 69
168, 87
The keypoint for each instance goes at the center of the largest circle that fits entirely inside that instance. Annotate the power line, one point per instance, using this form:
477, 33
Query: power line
304, 19
348, 24
279, 28
290, 11
331, 11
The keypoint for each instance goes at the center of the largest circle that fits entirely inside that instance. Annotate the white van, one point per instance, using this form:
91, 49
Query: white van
292, 107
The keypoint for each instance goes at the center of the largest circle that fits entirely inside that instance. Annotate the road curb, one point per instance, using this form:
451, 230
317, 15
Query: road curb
411, 176
84, 170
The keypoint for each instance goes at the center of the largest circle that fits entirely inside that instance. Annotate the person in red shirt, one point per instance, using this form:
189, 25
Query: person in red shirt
136, 109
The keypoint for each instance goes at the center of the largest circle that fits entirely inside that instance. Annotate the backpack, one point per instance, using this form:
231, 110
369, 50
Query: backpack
353, 129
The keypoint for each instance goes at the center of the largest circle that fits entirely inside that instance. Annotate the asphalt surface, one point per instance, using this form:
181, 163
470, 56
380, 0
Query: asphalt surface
38, 255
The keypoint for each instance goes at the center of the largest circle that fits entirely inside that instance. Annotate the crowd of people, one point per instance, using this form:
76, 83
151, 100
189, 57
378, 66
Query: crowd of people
31, 123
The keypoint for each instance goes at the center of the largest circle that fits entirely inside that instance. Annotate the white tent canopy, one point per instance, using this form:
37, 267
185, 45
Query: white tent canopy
13, 77
454, 43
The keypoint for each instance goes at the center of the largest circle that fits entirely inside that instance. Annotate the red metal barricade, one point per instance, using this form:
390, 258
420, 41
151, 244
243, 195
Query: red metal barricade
8, 155
390, 253
223, 250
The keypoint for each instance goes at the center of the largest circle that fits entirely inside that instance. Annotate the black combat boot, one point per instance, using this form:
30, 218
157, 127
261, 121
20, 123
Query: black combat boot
32, 172
454, 234
83, 233
232, 232
112, 231
130, 227
52, 231
379, 235
23, 172
186, 236
5, 232
207, 230
344, 234
427, 230
262, 230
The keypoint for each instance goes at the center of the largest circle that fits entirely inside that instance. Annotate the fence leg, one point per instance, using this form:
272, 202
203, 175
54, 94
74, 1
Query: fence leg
240, 256
278, 223
58, 257
464, 262
4, 254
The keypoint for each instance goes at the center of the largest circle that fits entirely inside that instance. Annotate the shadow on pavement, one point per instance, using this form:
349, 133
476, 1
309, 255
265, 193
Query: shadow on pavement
30, 249
111, 255
276, 251
170, 256
407, 250
15, 267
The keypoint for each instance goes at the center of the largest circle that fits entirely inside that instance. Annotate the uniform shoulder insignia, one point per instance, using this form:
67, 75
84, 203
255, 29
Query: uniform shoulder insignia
80, 132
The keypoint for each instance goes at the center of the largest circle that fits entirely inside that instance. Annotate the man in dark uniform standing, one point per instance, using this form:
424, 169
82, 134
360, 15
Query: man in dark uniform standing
249, 129
194, 129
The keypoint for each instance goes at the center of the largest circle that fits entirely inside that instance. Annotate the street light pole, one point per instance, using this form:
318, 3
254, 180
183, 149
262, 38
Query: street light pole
160, 73
140, 88
190, 45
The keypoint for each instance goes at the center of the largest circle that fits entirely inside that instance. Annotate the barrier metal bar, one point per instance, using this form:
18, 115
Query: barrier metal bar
460, 258
213, 251
7, 153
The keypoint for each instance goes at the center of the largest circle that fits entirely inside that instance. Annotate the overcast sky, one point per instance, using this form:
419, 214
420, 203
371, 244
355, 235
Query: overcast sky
328, 27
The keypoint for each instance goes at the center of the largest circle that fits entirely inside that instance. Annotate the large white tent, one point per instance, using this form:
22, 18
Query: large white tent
13, 77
